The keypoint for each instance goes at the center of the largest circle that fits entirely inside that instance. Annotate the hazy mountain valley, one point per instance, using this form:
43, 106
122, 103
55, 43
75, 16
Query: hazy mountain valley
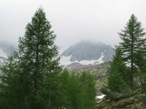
86, 75
98, 68
85, 56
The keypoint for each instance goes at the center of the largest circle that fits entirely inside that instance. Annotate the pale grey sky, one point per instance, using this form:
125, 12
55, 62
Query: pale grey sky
72, 20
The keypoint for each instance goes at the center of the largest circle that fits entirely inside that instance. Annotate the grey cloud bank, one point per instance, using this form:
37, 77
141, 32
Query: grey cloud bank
71, 20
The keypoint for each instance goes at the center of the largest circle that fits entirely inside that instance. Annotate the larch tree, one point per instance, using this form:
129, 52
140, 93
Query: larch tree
133, 47
118, 75
37, 66
38, 58
88, 90
77, 90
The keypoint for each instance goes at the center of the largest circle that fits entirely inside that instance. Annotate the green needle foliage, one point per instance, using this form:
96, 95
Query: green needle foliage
118, 75
33, 79
78, 90
32, 74
133, 47
128, 68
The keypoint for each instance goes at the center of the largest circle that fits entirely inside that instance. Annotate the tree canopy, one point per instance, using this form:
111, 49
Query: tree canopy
128, 67
33, 79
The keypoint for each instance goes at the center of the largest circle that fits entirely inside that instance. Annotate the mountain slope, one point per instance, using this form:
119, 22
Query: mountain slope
86, 52
6, 50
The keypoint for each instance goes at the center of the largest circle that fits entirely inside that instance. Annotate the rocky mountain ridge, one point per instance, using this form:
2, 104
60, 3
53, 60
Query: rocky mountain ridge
86, 53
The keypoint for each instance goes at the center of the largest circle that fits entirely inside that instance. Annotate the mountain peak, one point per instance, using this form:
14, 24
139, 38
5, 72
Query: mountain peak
88, 52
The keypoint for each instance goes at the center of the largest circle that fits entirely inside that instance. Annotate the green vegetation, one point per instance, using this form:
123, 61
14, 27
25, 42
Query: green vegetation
33, 79
78, 90
128, 68
133, 48
117, 80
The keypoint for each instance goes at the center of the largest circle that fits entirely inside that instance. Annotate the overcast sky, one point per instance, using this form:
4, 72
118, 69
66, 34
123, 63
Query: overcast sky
71, 20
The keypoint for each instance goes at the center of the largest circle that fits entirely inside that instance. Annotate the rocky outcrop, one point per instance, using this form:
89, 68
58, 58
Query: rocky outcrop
133, 100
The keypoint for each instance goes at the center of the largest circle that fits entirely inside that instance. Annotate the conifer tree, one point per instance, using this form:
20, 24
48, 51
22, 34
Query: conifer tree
70, 90
88, 91
133, 47
11, 89
64, 89
77, 90
37, 66
118, 75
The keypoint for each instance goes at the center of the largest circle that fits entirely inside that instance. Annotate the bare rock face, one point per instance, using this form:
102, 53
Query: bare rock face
87, 52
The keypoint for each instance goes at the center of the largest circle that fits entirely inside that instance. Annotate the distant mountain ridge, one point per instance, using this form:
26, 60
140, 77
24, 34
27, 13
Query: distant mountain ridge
79, 54
6, 50
86, 52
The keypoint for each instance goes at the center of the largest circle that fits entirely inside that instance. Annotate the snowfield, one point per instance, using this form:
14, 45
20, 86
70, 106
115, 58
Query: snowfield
65, 60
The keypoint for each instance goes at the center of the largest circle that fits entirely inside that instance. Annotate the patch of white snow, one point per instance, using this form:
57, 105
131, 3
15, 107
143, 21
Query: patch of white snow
100, 60
100, 96
65, 60
87, 62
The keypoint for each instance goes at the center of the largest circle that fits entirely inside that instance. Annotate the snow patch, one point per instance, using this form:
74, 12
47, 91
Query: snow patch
87, 62
100, 60
100, 96
65, 60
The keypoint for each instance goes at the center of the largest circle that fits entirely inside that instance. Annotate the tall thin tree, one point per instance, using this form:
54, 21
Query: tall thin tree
133, 46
